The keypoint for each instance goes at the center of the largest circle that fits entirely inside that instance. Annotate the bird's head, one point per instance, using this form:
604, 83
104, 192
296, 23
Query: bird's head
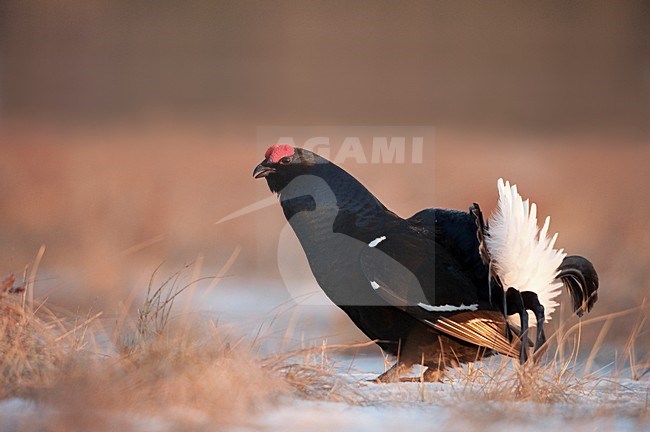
283, 163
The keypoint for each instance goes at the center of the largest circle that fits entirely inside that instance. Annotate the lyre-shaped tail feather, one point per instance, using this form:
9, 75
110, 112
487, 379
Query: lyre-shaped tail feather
581, 280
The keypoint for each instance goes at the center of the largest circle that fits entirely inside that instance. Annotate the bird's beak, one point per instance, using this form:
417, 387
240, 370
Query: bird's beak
262, 171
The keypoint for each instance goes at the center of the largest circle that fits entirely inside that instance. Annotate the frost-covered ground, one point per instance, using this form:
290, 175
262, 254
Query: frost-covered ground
444, 409
605, 402
615, 406
601, 405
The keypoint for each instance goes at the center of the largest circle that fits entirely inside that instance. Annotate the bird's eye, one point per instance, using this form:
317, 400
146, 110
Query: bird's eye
285, 160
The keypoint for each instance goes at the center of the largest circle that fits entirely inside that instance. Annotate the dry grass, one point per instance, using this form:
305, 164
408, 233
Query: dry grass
33, 341
187, 384
313, 374
184, 373
558, 378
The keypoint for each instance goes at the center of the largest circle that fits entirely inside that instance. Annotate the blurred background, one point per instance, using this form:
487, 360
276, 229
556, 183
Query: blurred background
128, 128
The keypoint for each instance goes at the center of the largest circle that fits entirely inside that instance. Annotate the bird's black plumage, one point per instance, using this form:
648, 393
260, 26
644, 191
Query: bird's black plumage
418, 286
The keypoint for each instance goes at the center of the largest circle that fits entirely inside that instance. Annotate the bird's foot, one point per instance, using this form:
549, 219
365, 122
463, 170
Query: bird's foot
393, 374
429, 375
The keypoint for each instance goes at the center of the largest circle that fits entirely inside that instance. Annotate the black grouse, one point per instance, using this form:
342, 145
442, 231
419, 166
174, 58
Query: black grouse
434, 289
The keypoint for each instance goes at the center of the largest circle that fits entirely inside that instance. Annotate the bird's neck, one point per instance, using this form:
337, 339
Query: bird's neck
331, 200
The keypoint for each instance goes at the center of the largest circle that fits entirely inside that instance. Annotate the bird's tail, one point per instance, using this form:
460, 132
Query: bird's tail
523, 255
581, 280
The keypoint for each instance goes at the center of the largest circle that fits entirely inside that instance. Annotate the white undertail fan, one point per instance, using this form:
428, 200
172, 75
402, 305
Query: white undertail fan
523, 260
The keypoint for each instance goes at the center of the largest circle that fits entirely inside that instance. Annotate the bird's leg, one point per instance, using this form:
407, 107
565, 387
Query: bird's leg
505, 313
515, 301
393, 374
523, 316
531, 302
491, 285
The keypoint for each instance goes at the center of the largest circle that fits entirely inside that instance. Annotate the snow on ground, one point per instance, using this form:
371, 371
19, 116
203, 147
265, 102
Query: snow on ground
12, 413
400, 407
615, 406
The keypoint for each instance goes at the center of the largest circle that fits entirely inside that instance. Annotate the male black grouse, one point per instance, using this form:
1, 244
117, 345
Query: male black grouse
436, 288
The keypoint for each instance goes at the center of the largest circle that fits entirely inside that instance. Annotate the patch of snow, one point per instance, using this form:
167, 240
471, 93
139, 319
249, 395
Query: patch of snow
14, 412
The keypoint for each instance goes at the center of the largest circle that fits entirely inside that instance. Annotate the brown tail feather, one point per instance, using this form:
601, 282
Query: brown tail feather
482, 328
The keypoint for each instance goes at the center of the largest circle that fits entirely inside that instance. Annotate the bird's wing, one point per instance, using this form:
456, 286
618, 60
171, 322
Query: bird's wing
457, 232
581, 280
422, 278
412, 270
483, 328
